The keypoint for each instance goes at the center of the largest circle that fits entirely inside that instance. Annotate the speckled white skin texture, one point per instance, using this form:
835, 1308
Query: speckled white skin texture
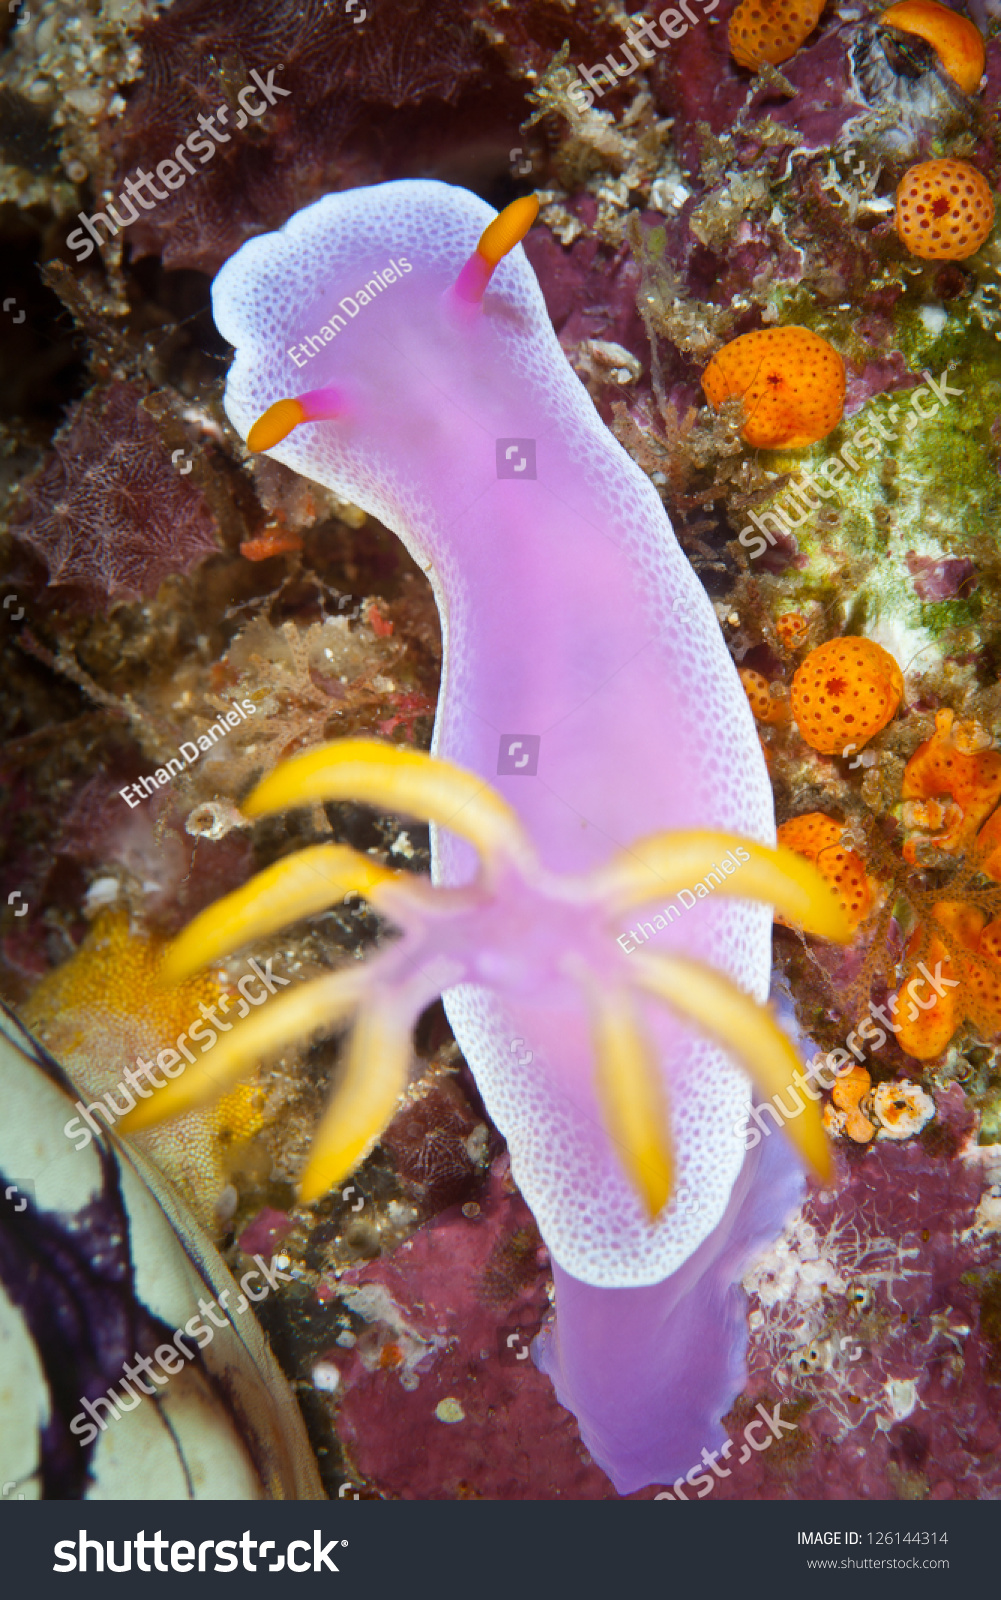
568, 611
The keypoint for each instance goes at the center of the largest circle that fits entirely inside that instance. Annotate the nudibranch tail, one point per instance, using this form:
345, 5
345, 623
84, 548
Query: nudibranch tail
320, 1004
632, 1096
316, 405
515, 926
297, 886
508, 229
747, 1031
397, 780
663, 863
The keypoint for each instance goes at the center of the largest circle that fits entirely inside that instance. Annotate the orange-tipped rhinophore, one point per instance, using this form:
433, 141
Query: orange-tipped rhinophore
499, 237
792, 382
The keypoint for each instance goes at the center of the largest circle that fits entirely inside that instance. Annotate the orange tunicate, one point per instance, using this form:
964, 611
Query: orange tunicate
947, 988
771, 30
957, 42
945, 210
926, 1022
990, 940
792, 383
767, 707
278, 543
957, 764
791, 629
818, 838
988, 847
847, 1094
844, 692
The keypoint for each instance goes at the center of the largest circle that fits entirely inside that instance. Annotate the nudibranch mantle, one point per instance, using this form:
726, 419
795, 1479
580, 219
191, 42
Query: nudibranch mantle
568, 612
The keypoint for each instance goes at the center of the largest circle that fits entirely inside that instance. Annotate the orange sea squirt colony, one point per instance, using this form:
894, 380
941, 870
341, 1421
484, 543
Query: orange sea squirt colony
844, 692
957, 42
817, 837
792, 383
945, 210
968, 969
951, 784
771, 30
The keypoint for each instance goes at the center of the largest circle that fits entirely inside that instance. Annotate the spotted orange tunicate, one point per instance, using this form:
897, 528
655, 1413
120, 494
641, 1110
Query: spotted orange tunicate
845, 692
817, 837
767, 707
945, 210
791, 629
956, 41
771, 30
951, 783
792, 383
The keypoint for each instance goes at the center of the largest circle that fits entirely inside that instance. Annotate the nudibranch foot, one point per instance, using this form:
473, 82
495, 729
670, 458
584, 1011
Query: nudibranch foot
649, 1371
516, 929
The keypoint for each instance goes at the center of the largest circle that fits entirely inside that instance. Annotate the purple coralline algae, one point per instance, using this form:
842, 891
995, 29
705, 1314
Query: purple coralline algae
109, 513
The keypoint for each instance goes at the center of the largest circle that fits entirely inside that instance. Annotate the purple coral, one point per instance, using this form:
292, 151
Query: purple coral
108, 513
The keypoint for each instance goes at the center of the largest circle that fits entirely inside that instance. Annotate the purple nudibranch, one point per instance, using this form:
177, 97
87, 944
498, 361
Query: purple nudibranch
569, 616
